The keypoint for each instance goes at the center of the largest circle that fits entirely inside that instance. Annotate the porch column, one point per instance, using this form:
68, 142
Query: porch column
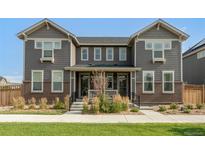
132, 85
73, 84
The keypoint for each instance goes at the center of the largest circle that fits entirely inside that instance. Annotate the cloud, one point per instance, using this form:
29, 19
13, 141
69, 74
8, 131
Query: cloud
14, 78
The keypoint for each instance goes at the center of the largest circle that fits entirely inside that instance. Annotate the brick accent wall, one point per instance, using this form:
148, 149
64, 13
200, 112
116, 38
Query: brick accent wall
26, 92
159, 97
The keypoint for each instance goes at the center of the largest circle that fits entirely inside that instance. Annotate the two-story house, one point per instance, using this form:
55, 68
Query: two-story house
146, 64
194, 64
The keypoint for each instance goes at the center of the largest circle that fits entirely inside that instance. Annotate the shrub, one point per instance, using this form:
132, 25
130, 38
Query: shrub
43, 103
32, 103
104, 103
85, 104
173, 106
189, 106
18, 103
134, 109
95, 105
67, 101
186, 110
162, 108
115, 107
199, 106
125, 103
59, 104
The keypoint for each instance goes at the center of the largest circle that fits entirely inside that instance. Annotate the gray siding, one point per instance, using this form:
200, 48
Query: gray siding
32, 60
47, 33
103, 61
194, 70
160, 33
173, 61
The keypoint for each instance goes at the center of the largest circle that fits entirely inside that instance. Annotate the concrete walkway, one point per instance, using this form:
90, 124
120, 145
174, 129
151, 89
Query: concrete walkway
149, 117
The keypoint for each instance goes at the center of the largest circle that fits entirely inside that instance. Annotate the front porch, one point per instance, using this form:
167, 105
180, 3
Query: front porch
120, 80
117, 83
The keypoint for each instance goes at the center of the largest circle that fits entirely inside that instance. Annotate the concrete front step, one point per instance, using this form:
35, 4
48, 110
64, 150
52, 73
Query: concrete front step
77, 103
79, 100
76, 108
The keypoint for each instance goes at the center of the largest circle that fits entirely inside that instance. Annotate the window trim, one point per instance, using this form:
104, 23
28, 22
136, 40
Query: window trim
107, 54
148, 41
42, 78
35, 46
153, 82
87, 50
52, 88
120, 52
95, 54
163, 90
110, 74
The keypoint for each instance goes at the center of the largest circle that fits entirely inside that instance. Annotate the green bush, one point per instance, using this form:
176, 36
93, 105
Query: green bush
189, 106
162, 108
104, 104
115, 107
85, 108
124, 107
135, 109
173, 106
59, 105
199, 106
186, 110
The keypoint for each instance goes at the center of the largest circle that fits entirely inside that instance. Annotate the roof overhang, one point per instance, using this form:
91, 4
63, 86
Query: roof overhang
183, 36
24, 33
194, 52
107, 69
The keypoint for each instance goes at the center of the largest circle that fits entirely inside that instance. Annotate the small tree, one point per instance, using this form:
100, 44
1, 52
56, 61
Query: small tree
99, 82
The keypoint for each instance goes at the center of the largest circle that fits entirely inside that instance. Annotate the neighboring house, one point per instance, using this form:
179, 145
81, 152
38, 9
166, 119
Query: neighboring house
194, 64
3, 81
146, 64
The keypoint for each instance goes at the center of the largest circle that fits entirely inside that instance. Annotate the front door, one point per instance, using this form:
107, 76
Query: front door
84, 84
123, 84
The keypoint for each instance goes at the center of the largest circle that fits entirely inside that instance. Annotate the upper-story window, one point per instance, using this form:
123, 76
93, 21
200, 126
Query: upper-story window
201, 54
122, 54
97, 54
148, 81
47, 48
84, 54
158, 51
168, 81
37, 81
158, 47
109, 54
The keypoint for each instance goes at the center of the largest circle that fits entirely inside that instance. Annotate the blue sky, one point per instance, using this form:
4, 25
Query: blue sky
11, 48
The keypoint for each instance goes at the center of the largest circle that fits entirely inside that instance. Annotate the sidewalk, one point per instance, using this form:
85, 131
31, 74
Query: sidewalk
150, 117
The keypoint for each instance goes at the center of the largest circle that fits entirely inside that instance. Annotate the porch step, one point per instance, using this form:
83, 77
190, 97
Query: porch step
79, 100
76, 107
74, 112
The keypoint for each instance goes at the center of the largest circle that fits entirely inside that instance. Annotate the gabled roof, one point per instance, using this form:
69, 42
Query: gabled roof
194, 48
169, 27
22, 34
103, 40
2, 78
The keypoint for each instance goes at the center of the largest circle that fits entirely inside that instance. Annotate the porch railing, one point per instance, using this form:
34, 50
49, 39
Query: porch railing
109, 93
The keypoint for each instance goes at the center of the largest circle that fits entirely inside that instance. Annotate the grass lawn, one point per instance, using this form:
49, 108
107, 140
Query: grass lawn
79, 129
40, 112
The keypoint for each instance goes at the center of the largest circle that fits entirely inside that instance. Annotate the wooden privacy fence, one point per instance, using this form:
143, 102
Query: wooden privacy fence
193, 94
8, 92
